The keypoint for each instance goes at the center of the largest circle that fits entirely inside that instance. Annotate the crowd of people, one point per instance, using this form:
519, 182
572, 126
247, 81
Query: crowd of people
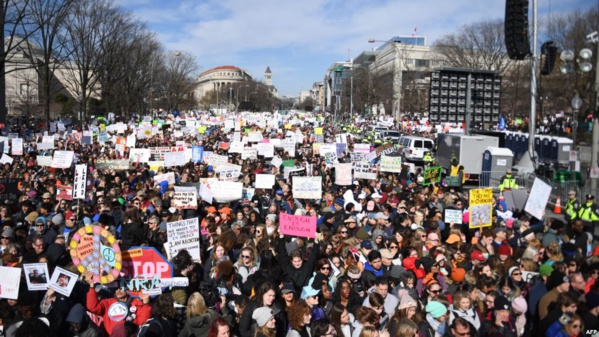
384, 262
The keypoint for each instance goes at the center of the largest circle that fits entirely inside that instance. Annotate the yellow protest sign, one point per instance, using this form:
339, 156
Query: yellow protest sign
318, 131
287, 126
201, 130
481, 203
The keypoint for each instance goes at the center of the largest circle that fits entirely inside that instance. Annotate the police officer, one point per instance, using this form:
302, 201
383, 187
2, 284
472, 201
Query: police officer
508, 181
589, 213
428, 159
572, 206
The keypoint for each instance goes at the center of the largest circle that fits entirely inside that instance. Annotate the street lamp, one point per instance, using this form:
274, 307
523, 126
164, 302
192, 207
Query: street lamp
576, 103
397, 76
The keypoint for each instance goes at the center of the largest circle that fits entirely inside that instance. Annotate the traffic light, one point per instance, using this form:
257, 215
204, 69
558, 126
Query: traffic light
516, 29
550, 52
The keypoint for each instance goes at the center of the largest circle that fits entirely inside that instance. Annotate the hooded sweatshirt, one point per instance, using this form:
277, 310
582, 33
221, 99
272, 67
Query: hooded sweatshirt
79, 316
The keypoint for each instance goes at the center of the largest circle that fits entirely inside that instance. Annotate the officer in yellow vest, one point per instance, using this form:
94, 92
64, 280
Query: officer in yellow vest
508, 181
455, 167
428, 159
572, 206
589, 214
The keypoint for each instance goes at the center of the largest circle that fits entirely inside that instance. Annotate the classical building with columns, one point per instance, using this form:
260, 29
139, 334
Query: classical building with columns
219, 78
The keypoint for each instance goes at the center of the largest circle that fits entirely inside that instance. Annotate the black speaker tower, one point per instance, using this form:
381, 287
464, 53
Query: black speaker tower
516, 29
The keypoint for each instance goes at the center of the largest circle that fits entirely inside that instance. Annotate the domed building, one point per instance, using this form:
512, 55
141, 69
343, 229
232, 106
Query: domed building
218, 78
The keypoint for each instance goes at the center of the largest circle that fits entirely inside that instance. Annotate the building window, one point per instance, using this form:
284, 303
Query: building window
422, 63
24, 89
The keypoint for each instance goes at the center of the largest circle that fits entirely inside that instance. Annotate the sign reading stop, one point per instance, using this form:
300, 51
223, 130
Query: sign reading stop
143, 268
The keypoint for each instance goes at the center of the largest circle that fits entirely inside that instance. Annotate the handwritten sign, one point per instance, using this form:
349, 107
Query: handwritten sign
481, 200
217, 160
307, 187
538, 198
453, 216
139, 155
343, 176
184, 234
390, 164
174, 159
432, 175
364, 170
296, 225
62, 159
87, 250
10, 280
185, 197
80, 181
229, 172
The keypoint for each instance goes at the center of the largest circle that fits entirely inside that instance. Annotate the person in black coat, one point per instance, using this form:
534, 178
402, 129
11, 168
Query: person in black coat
133, 232
293, 264
265, 297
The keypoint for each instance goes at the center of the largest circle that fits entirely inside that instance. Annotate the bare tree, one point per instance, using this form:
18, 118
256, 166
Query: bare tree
479, 45
90, 24
176, 83
43, 47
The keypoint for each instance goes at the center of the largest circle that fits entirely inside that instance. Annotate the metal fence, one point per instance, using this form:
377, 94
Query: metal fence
559, 188
493, 179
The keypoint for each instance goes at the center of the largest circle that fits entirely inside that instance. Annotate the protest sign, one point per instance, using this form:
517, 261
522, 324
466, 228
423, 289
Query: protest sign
205, 193
197, 153
236, 147
45, 146
289, 147
343, 174
453, 216
276, 161
296, 225
226, 191
229, 172
10, 280
481, 200
64, 192
362, 148
341, 138
255, 136
248, 193
307, 187
341, 148
265, 181
130, 141
217, 160
17, 146
93, 248
143, 269
62, 159
379, 149
538, 198
6, 159
266, 149
36, 275
169, 177
390, 164
184, 234
249, 153
185, 197
63, 281
80, 181
364, 170
108, 164
432, 175
174, 159
139, 155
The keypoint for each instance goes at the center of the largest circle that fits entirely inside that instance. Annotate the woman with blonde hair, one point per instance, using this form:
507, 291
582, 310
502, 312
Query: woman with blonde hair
405, 328
199, 317
462, 307
247, 263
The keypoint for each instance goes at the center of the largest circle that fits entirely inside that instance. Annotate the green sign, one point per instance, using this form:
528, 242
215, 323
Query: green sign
432, 175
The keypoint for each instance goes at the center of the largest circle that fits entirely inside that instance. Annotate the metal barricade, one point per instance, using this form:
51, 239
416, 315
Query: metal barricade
493, 179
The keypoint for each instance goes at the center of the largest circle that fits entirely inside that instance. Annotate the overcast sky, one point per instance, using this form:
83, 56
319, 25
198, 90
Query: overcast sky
299, 39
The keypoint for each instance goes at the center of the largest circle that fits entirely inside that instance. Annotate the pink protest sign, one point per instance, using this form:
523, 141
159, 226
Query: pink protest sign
296, 225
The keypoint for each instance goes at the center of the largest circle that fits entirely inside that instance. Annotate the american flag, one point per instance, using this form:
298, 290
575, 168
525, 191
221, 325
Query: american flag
415, 30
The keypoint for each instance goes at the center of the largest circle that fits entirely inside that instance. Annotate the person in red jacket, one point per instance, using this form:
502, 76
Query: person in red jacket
117, 310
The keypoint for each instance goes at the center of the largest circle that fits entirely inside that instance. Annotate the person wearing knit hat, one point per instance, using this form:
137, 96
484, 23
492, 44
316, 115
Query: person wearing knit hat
458, 275
407, 302
519, 307
264, 317
436, 318
503, 250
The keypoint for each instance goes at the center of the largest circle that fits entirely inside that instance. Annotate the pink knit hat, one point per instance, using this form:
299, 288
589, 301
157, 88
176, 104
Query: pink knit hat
519, 305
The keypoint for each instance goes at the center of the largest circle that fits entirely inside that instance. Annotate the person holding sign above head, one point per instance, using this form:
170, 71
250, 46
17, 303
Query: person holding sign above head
119, 309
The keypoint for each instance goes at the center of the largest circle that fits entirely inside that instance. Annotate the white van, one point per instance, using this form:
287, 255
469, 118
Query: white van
413, 148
